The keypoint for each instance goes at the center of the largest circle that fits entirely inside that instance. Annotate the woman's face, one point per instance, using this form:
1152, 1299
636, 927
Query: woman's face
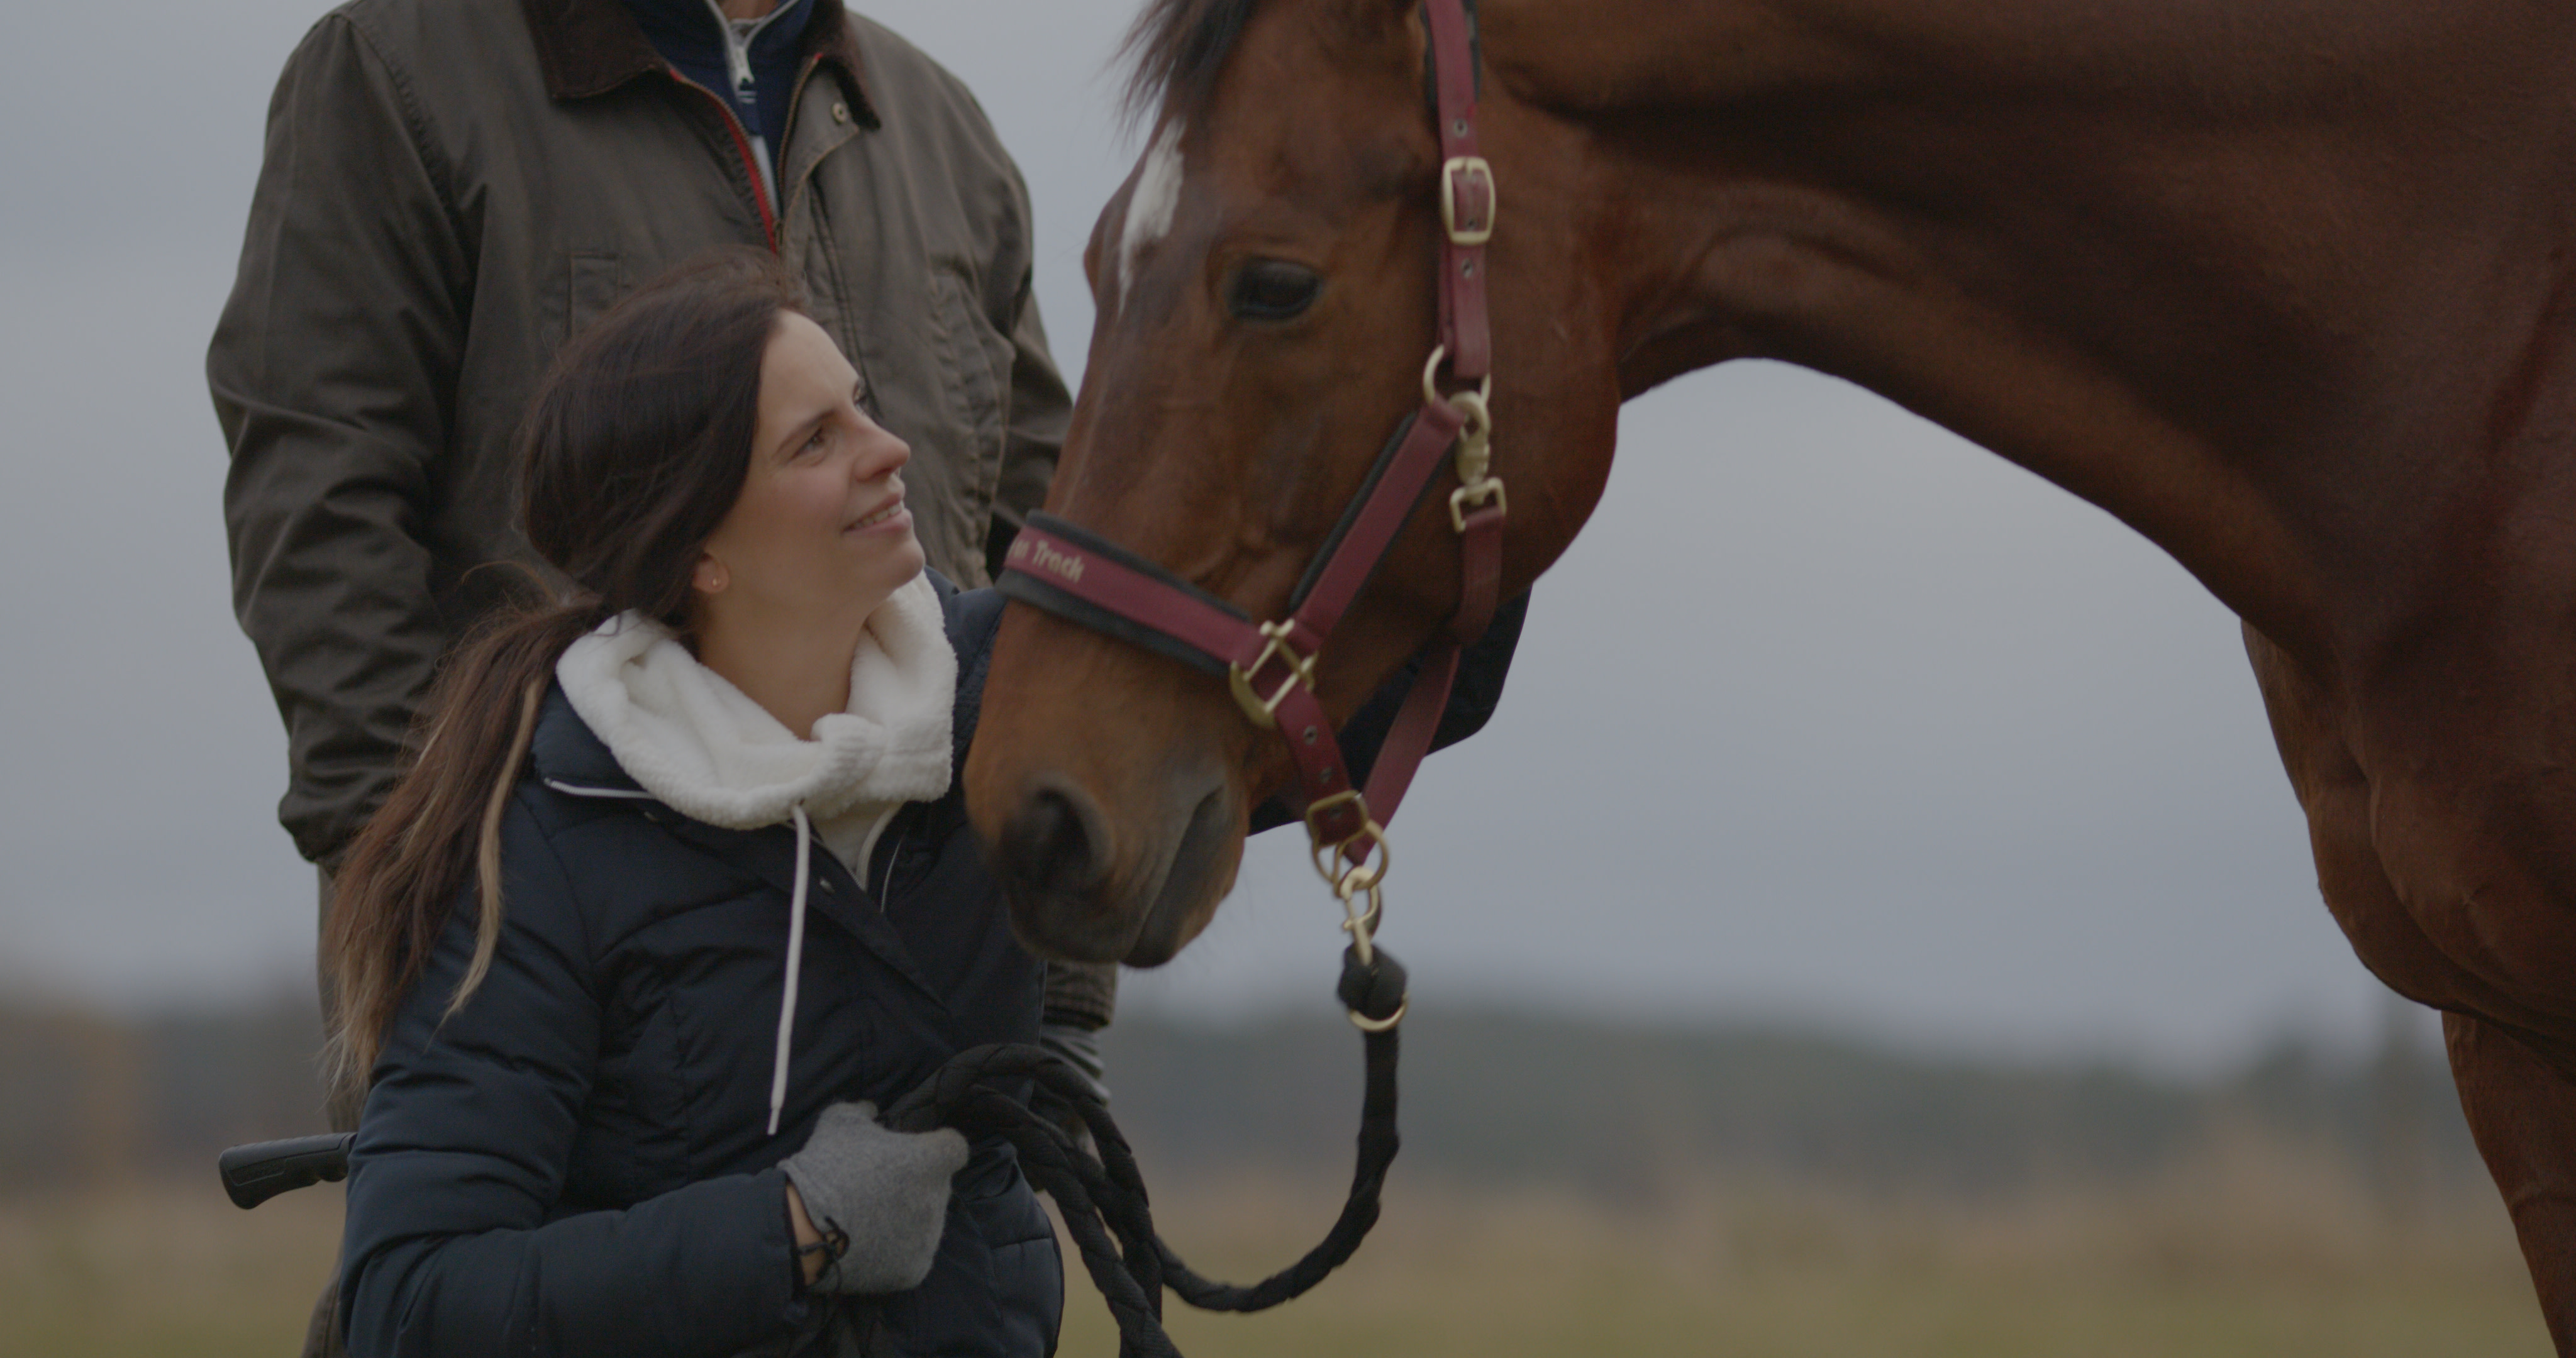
820, 534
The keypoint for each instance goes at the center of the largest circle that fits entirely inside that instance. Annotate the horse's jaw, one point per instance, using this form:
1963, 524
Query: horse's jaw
1143, 916
1119, 847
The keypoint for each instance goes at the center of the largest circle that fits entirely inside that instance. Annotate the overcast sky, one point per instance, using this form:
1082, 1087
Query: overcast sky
1828, 715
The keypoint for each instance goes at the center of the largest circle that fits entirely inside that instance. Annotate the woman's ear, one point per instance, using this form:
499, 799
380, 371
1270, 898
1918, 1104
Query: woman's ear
709, 576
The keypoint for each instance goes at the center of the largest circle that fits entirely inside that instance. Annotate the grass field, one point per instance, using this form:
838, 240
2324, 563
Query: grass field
2210, 1269
162, 1269
2244, 1255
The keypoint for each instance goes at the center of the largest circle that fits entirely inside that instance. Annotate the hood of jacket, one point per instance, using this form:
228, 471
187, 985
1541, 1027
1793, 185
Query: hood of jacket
702, 747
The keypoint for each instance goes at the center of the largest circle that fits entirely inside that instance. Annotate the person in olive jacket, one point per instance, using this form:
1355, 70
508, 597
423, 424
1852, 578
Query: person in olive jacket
629, 964
452, 188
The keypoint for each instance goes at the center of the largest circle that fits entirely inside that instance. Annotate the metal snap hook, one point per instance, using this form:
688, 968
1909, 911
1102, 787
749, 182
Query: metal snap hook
1433, 395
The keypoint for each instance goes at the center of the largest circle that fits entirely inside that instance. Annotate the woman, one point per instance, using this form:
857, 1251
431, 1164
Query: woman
621, 1088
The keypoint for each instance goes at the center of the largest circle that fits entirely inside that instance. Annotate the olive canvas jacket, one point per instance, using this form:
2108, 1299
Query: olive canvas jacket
449, 189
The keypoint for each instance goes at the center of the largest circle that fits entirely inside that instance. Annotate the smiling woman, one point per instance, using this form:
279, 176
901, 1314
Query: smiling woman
818, 539
564, 941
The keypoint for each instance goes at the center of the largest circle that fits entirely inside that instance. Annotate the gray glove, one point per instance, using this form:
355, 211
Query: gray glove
879, 1197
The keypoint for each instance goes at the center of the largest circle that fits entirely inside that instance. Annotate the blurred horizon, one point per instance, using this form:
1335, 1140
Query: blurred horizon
1493, 1094
1566, 1185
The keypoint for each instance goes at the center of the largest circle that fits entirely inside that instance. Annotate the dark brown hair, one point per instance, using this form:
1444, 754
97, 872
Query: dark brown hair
633, 450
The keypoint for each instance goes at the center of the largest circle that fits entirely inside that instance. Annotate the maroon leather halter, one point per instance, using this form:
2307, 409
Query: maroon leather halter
1077, 575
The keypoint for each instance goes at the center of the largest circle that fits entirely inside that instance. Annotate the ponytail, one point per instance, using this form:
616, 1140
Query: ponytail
392, 896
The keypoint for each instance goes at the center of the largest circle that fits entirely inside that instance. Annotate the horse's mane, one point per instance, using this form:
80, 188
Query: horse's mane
1175, 49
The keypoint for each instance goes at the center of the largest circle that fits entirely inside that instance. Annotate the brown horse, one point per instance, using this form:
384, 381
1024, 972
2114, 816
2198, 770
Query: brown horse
2282, 284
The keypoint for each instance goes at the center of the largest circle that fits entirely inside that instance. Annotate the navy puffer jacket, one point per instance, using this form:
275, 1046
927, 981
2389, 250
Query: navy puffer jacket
576, 1162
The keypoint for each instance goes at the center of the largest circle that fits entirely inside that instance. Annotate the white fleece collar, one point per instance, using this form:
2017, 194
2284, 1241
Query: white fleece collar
692, 739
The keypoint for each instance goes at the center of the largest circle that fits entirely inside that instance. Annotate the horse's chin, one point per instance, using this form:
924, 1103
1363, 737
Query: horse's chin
1200, 872
1164, 932
1178, 890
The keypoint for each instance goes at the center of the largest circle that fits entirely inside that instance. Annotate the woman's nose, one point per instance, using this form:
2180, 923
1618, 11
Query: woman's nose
880, 456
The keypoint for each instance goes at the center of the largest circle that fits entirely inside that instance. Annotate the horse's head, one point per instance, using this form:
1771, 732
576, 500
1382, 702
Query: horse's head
1266, 297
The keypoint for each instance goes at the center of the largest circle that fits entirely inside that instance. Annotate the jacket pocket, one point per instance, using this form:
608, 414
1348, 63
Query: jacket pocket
633, 1139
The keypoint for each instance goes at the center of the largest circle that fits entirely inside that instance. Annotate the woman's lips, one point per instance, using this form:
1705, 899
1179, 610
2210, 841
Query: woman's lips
892, 510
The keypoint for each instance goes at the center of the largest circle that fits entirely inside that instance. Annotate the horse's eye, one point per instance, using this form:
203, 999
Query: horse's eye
1273, 290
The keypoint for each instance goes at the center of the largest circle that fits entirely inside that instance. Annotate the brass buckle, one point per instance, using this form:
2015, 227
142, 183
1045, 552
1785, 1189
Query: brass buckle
1369, 1025
1353, 883
1475, 438
1474, 167
1264, 712
1360, 875
1362, 924
1477, 485
1476, 494
1483, 394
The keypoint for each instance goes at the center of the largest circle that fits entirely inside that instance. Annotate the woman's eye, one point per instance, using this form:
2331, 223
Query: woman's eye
1273, 290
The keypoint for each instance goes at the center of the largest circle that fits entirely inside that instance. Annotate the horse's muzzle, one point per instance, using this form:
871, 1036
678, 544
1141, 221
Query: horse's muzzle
1071, 895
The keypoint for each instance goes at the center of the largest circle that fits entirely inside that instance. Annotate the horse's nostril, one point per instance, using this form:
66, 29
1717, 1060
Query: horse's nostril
1048, 845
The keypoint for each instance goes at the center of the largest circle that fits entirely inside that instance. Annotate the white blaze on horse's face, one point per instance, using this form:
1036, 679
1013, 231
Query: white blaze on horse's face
1149, 208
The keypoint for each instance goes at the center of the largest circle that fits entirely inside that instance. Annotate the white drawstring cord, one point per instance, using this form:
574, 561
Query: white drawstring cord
795, 964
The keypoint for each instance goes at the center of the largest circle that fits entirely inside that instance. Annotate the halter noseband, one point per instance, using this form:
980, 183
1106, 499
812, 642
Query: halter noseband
1086, 579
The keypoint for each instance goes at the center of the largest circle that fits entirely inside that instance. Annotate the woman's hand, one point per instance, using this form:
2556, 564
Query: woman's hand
870, 1201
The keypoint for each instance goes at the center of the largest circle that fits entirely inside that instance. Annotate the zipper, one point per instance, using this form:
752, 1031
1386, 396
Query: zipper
746, 89
738, 38
885, 888
746, 92
742, 144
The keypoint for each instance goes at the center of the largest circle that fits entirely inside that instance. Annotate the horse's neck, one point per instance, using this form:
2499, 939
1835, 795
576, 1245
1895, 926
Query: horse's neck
2244, 279
2224, 57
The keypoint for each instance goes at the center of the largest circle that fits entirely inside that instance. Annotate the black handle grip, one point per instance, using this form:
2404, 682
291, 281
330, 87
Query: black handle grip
255, 1173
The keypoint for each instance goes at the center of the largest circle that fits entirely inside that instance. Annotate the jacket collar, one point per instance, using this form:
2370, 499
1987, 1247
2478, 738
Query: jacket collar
565, 753
567, 757
589, 47
564, 750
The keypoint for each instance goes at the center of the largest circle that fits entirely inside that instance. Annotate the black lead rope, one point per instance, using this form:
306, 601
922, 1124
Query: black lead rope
1102, 1199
